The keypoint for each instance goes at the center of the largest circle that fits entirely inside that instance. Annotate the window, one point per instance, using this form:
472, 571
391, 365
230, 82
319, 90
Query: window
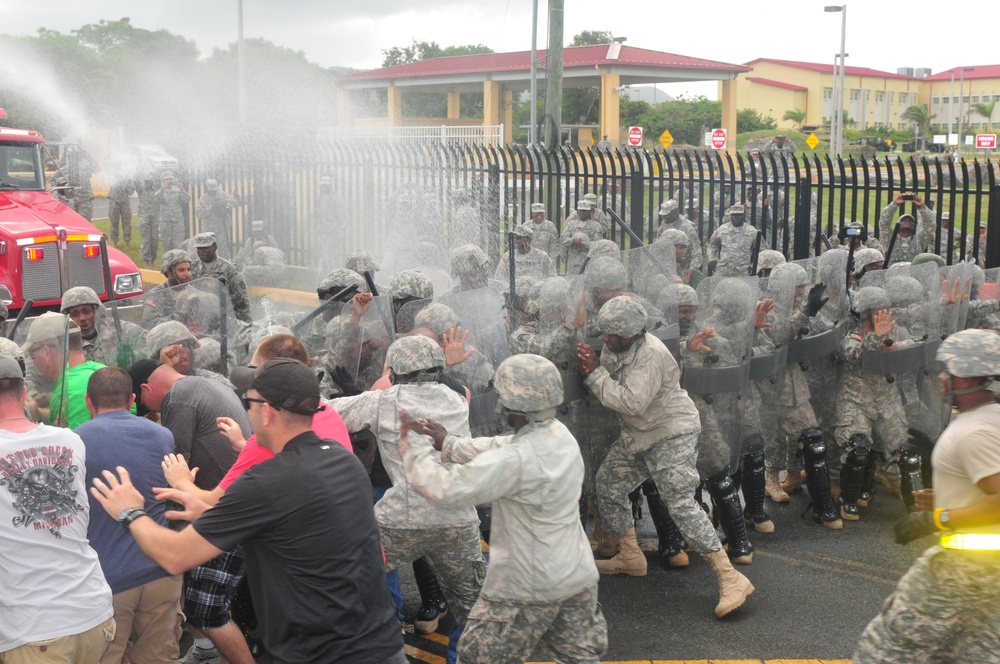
946, 100
855, 95
827, 94
936, 100
879, 97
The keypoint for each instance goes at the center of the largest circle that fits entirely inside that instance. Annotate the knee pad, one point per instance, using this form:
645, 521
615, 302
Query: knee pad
859, 448
753, 445
813, 445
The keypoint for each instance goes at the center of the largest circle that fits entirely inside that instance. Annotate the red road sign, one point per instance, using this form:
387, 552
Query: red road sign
719, 139
635, 136
986, 141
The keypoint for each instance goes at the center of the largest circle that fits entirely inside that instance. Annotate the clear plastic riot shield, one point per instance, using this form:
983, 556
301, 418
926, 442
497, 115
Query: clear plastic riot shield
821, 336
771, 343
985, 300
652, 272
956, 290
558, 306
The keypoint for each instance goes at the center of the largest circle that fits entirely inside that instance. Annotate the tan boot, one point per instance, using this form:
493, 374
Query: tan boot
630, 560
835, 491
734, 588
793, 482
678, 560
606, 546
772, 487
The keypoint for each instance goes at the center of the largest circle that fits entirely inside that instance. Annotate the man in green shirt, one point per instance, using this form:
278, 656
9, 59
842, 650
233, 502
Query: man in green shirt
47, 345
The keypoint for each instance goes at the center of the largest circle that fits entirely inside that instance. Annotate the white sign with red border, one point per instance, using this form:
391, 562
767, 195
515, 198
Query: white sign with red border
986, 141
635, 137
719, 139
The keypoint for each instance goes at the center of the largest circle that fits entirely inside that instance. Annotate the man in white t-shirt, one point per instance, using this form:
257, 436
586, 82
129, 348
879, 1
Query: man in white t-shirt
55, 605
947, 607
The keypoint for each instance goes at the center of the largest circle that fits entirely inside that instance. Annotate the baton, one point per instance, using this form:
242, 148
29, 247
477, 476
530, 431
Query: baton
755, 253
25, 308
337, 297
638, 240
892, 243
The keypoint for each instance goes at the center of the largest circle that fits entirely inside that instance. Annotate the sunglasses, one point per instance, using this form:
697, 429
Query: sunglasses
249, 400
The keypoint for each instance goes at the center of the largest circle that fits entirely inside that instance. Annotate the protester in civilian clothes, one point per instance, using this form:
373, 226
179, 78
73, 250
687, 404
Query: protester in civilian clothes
147, 599
190, 406
55, 605
305, 519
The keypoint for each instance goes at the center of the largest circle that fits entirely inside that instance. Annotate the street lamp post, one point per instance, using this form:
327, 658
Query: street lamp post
961, 103
839, 89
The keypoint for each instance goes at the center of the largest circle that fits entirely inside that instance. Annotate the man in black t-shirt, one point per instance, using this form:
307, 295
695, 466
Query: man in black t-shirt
307, 526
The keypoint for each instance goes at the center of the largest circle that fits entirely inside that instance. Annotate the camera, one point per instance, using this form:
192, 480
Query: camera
853, 231
907, 197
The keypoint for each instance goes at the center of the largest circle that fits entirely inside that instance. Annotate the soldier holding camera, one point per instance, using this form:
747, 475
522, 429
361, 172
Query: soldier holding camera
912, 237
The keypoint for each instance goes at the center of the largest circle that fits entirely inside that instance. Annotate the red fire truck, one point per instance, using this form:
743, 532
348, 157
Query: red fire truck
45, 246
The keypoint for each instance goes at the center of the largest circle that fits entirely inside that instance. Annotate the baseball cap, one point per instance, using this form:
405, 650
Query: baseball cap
9, 368
257, 224
206, 239
49, 325
284, 383
140, 372
538, 207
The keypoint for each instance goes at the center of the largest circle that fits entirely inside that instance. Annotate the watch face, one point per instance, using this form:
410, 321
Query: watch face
945, 517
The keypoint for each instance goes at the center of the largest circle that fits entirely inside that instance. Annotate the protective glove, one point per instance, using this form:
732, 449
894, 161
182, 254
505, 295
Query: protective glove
816, 300
914, 525
343, 379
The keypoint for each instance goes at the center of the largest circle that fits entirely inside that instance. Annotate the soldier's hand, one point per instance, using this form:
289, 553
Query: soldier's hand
436, 431
360, 304
588, 359
924, 500
345, 382
171, 355
454, 346
898, 200
581, 313
883, 322
913, 526
764, 308
952, 296
816, 300
697, 342
918, 200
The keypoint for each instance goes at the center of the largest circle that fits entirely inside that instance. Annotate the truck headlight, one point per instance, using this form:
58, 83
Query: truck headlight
128, 284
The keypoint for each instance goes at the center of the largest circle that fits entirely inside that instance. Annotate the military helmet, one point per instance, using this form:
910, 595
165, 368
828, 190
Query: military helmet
605, 273
919, 259
167, 334
623, 316
871, 298
768, 259
971, 354
833, 266
904, 291
523, 231
731, 292
899, 267
603, 248
468, 259
553, 296
531, 304
668, 206
528, 384
411, 284
865, 257
794, 272
339, 278
686, 296
678, 237
78, 295
361, 261
414, 353
172, 258
436, 316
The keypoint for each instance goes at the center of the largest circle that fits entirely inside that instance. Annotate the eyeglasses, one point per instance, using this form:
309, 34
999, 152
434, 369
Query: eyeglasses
249, 400
35, 349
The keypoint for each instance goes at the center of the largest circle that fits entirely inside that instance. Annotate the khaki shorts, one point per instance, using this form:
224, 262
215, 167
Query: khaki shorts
83, 648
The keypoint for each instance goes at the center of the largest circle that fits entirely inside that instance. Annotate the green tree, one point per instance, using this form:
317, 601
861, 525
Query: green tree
434, 104
919, 115
423, 50
985, 109
796, 116
748, 119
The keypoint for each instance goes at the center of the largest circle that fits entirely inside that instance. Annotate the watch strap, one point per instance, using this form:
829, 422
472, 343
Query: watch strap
130, 514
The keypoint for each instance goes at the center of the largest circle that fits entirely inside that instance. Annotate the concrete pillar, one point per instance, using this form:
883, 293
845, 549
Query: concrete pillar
729, 114
508, 115
610, 107
345, 112
491, 103
394, 96
454, 106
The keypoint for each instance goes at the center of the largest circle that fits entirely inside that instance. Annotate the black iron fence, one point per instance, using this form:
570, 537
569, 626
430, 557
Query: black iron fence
326, 200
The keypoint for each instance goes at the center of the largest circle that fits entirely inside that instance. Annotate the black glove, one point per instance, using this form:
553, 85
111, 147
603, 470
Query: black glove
816, 300
914, 525
345, 382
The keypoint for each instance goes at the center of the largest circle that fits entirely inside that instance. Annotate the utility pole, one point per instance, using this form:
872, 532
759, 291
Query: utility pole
553, 76
533, 131
241, 66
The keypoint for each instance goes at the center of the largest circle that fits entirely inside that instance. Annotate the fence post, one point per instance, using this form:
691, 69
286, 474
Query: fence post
495, 213
993, 229
637, 218
803, 230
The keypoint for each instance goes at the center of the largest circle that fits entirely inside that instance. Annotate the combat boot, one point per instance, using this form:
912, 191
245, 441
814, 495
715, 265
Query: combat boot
734, 588
671, 543
793, 482
730, 515
868, 482
754, 485
433, 606
818, 480
630, 560
773, 487
606, 546
852, 476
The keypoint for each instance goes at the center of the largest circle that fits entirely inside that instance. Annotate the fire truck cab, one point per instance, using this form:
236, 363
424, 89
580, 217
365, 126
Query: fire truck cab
45, 246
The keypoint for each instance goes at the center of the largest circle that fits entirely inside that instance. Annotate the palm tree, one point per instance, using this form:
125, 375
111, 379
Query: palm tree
797, 115
919, 115
985, 109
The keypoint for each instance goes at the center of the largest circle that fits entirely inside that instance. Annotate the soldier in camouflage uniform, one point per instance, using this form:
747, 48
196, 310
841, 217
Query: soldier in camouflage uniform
470, 268
408, 286
576, 237
258, 235
210, 264
83, 191
767, 260
160, 302
120, 208
361, 262
945, 607
598, 215
170, 201
147, 221
682, 252
475, 371
730, 248
914, 236
541, 586
101, 340
172, 343
670, 217
546, 235
215, 212
638, 378
529, 261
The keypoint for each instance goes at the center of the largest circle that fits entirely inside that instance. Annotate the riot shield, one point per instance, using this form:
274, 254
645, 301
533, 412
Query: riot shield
770, 350
956, 290
728, 305
821, 337
652, 272
985, 300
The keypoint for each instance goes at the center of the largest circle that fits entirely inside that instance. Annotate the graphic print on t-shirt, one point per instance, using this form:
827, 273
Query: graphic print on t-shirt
40, 481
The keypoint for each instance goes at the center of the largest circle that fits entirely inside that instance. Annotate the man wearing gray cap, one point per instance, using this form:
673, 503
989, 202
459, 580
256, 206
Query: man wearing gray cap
546, 235
528, 262
170, 200
215, 212
671, 217
102, 341
577, 235
306, 522
258, 236
730, 250
210, 264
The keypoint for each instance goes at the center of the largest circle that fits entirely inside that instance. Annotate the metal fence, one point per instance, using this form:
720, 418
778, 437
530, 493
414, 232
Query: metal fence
325, 200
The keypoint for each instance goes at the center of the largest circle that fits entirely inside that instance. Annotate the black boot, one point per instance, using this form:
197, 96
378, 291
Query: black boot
868, 483
753, 485
671, 543
852, 476
729, 511
910, 475
818, 479
432, 604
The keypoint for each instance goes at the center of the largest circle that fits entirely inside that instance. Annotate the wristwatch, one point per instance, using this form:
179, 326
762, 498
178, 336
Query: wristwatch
942, 519
130, 514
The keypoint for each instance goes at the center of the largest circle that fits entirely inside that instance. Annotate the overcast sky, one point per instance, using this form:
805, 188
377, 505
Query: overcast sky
882, 34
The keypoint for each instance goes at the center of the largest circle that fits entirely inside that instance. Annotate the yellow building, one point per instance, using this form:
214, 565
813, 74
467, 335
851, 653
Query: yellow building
954, 93
872, 98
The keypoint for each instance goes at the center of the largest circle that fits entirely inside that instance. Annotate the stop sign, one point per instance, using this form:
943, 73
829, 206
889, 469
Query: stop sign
719, 139
635, 136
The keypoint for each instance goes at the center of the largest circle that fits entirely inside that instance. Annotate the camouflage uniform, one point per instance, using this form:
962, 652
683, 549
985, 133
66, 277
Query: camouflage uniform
684, 224
541, 586
535, 263
160, 303
469, 267
147, 220
215, 212
546, 235
105, 346
226, 271
170, 202
83, 191
120, 209
906, 248
257, 237
731, 247
584, 231
688, 274
173, 332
